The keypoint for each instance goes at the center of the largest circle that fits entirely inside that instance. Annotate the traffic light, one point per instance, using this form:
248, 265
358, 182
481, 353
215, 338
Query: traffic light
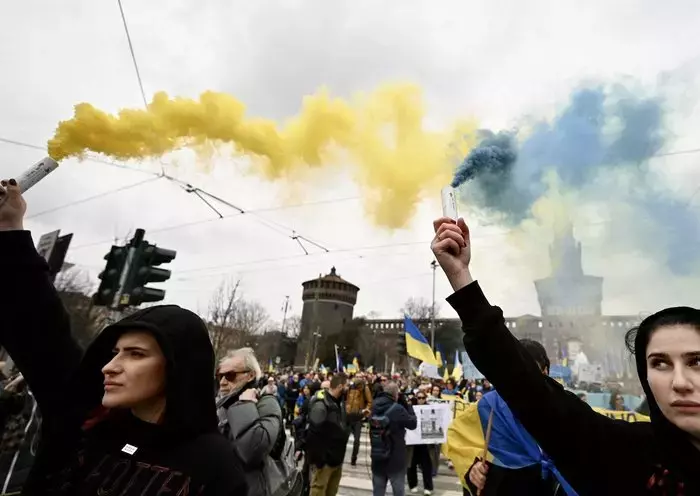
143, 271
116, 258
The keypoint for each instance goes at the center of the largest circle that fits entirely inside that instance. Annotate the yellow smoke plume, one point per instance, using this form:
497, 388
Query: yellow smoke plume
382, 135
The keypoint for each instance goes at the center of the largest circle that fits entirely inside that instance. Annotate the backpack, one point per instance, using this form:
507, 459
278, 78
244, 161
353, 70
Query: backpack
381, 444
281, 472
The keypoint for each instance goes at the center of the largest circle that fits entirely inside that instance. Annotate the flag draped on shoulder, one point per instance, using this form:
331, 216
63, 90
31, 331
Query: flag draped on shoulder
509, 442
416, 344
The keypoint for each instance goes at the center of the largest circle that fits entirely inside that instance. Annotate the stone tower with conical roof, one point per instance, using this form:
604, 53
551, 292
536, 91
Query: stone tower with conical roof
329, 303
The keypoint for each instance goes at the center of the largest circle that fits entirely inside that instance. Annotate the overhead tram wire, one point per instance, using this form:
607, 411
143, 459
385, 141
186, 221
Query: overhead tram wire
136, 65
94, 197
188, 188
133, 55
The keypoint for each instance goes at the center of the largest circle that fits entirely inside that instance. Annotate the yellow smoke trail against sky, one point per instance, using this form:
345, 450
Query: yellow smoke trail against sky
382, 135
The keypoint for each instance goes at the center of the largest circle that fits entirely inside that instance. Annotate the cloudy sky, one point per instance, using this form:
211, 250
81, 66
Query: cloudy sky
496, 62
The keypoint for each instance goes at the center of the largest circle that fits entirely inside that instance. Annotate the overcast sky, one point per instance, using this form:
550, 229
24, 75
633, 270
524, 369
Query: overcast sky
497, 62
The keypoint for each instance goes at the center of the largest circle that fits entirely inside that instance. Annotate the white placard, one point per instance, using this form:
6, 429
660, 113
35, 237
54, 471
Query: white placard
433, 421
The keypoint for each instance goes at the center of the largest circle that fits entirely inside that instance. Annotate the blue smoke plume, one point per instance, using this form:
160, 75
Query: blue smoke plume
601, 129
495, 155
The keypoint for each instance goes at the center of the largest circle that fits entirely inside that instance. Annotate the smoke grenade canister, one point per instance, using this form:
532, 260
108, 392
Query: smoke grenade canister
36, 173
449, 202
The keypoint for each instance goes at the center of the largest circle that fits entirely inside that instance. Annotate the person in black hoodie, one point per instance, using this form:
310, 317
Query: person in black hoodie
660, 457
136, 414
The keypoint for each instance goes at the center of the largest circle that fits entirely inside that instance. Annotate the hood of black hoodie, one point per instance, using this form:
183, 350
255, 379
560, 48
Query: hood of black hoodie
672, 443
184, 340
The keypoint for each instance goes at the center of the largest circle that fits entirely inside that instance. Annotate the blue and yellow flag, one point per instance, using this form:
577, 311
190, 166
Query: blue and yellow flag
440, 356
510, 444
270, 367
356, 363
416, 344
457, 372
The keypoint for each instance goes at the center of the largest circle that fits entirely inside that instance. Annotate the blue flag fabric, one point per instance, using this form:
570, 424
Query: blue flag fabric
511, 444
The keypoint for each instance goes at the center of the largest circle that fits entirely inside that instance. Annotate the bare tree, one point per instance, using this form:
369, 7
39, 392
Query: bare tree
220, 311
250, 317
233, 321
293, 326
419, 309
75, 290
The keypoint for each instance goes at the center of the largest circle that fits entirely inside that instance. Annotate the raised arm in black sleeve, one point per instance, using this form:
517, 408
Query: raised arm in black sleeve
35, 327
567, 429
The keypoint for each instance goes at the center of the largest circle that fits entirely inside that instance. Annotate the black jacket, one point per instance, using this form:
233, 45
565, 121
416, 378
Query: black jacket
567, 429
328, 432
400, 418
81, 448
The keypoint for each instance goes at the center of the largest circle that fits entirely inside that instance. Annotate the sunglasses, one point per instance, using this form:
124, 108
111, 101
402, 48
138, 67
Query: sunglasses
420, 397
230, 376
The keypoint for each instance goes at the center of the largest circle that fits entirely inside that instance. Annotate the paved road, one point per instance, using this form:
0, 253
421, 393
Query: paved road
357, 480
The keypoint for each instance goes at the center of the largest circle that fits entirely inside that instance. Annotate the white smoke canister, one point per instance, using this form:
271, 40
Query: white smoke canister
36, 173
449, 202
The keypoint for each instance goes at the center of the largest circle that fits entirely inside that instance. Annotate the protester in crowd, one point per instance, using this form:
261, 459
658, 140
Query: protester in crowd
388, 446
271, 389
252, 423
659, 457
449, 388
327, 437
282, 393
379, 382
436, 392
420, 455
617, 402
302, 401
139, 401
291, 396
358, 407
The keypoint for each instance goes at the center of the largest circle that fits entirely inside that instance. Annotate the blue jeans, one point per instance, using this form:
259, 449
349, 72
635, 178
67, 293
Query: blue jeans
397, 480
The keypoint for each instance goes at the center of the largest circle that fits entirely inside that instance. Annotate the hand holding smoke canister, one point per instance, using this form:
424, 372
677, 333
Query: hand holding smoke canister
36, 173
449, 203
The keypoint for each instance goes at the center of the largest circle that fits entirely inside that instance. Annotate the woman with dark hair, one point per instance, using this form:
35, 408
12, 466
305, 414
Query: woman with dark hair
659, 457
133, 415
617, 402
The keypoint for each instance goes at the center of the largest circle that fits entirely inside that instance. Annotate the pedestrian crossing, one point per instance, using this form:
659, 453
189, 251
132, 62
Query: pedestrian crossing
357, 480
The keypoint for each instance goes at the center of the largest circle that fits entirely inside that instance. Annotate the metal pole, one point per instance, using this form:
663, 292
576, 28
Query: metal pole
284, 318
133, 246
433, 264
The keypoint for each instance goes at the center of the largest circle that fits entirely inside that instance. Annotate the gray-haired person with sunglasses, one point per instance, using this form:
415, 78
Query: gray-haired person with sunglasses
251, 421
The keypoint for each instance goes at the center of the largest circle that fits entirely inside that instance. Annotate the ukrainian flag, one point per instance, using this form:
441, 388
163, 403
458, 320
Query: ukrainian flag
416, 344
457, 372
440, 356
510, 444
356, 363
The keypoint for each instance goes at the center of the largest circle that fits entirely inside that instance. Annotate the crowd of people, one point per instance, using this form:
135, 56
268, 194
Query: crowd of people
138, 413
